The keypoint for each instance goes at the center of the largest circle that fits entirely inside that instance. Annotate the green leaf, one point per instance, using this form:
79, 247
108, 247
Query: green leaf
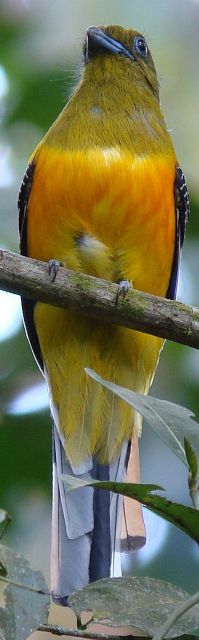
191, 458
180, 610
5, 519
170, 421
3, 570
193, 478
23, 610
144, 603
184, 518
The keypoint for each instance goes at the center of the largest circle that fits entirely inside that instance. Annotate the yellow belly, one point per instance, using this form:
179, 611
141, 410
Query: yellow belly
110, 215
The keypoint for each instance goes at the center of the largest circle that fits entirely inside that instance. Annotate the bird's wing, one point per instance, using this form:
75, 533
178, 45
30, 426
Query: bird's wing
28, 305
182, 210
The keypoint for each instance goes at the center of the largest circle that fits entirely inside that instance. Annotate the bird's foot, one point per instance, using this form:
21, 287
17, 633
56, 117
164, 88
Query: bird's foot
53, 266
123, 288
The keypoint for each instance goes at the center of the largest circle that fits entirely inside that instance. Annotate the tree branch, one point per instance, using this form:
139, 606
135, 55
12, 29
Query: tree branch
97, 298
91, 635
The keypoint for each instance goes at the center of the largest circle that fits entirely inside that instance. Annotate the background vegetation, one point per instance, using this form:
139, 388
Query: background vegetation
39, 62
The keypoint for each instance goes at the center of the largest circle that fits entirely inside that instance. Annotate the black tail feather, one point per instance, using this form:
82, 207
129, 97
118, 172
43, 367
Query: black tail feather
100, 558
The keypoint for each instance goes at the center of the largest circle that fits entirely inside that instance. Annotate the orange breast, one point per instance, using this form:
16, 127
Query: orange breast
123, 204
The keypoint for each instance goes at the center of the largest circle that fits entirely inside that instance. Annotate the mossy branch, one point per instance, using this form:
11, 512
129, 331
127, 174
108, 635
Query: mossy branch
79, 633
97, 299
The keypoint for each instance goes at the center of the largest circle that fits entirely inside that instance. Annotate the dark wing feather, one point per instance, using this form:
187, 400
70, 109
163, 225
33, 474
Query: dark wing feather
28, 305
182, 210
22, 206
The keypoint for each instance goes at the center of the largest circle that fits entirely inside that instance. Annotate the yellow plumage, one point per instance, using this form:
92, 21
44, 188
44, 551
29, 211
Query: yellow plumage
103, 197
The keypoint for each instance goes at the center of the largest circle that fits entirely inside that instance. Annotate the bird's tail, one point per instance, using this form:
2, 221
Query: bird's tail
86, 524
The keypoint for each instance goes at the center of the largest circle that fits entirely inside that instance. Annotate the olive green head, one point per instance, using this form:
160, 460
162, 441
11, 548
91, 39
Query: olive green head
114, 50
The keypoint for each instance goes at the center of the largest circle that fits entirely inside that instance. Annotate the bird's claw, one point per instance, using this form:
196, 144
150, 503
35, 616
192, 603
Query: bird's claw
123, 288
53, 266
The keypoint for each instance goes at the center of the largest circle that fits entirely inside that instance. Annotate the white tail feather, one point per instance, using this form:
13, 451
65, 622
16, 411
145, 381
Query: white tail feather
72, 524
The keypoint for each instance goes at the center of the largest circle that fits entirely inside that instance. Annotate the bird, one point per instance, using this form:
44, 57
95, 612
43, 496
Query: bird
103, 194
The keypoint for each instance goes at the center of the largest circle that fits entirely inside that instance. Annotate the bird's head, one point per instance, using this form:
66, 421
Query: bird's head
113, 52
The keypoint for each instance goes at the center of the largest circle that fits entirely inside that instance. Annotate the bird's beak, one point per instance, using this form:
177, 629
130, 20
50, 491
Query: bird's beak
99, 42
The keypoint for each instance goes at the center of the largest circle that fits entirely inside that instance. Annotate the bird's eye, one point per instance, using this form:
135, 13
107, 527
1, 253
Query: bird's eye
141, 46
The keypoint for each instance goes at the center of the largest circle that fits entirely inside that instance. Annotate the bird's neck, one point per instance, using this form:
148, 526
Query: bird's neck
107, 114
